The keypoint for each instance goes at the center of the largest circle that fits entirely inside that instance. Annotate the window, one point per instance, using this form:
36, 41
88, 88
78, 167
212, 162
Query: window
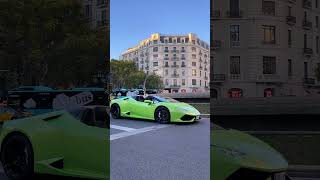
183, 73
175, 82
317, 21
155, 49
155, 55
194, 56
234, 8
155, 64
167, 82
289, 11
193, 42
200, 82
183, 64
268, 7
200, 73
88, 12
235, 93
166, 72
305, 69
194, 49
289, 67
194, 63
305, 41
194, 72
289, 38
166, 64
269, 92
317, 3
183, 82
317, 44
170, 40
166, 49
234, 35
269, 34
235, 65
178, 40
269, 65
194, 82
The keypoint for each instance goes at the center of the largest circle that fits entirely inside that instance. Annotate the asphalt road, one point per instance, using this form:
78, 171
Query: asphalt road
147, 150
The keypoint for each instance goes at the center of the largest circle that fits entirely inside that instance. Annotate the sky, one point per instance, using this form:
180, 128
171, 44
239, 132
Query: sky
134, 20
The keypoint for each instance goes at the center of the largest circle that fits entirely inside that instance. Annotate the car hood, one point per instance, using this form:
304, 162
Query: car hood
255, 154
180, 106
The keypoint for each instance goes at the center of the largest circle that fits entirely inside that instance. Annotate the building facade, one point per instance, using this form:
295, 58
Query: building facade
181, 60
96, 12
265, 48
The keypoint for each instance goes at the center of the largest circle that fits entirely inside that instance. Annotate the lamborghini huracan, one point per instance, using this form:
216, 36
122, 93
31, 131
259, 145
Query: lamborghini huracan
72, 143
160, 109
236, 155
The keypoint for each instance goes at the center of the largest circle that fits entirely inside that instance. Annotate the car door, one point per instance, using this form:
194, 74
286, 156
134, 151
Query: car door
88, 147
143, 110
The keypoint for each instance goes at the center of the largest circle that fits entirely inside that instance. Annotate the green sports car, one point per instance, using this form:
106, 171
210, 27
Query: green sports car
71, 143
236, 155
160, 109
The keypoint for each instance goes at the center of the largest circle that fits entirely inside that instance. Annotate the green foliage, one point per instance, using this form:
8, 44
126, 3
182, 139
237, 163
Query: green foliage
125, 74
49, 42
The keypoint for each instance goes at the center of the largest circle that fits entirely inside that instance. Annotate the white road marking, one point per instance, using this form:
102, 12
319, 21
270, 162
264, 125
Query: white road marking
122, 128
135, 132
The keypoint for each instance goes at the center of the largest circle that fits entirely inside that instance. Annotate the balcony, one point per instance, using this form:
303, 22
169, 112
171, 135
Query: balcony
307, 4
183, 65
291, 20
200, 67
218, 77
206, 78
307, 51
147, 68
175, 66
309, 81
235, 76
175, 86
216, 44
216, 14
175, 75
166, 51
166, 66
166, 58
307, 25
269, 42
268, 78
175, 59
183, 58
183, 51
175, 51
292, 1
205, 62
205, 69
235, 14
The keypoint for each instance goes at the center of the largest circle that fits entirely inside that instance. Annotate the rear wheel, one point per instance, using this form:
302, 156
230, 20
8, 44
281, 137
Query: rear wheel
115, 111
17, 157
162, 115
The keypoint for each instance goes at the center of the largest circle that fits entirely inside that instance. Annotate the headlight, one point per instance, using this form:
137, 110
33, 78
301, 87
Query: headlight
230, 152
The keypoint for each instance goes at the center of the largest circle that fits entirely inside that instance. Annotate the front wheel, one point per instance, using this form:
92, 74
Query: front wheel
115, 111
162, 115
17, 158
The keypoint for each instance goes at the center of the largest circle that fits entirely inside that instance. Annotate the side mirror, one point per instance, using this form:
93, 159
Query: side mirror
148, 101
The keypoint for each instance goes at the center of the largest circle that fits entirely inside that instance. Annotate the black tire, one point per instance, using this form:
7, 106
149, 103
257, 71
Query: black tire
115, 111
17, 158
162, 115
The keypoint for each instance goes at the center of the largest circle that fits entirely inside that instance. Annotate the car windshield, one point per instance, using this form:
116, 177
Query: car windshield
163, 99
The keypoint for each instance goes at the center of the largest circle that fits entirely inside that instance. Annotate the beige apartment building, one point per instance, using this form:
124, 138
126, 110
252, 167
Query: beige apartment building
96, 12
263, 48
181, 60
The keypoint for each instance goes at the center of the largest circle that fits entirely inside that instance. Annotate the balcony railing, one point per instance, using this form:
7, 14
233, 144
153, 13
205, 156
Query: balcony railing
307, 51
166, 58
205, 62
292, 1
307, 4
175, 75
166, 66
291, 20
200, 67
183, 65
235, 76
309, 81
175, 51
268, 78
216, 44
183, 58
166, 51
235, 14
183, 51
175, 66
307, 24
205, 69
175, 86
175, 59
218, 77
206, 78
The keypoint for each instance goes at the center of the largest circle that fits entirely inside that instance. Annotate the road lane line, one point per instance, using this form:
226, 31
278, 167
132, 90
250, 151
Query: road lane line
137, 131
122, 128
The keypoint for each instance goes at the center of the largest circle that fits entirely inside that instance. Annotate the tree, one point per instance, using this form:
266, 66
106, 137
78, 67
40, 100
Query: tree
125, 74
50, 42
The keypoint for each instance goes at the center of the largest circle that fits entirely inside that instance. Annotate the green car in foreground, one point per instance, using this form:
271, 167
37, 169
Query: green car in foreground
160, 109
236, 156
71, 143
